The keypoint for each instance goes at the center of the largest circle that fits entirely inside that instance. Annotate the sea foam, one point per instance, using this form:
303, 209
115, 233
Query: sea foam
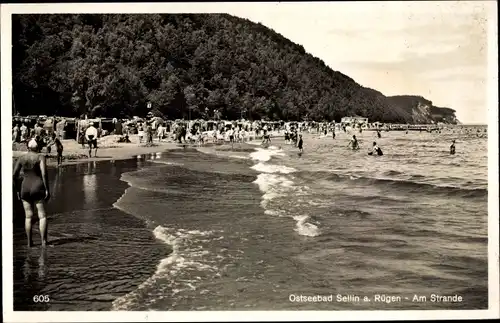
265, 155
184, 256
267, 168
305, 228
274, 183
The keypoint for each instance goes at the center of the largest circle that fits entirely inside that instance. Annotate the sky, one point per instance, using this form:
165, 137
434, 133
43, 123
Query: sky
438, 50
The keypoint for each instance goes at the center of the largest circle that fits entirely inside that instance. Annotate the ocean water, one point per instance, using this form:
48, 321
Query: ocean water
254, 228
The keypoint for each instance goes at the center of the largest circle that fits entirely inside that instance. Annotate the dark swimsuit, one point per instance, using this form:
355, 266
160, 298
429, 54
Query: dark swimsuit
32, 188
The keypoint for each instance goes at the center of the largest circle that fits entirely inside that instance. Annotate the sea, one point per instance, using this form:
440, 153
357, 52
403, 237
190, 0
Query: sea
254, 227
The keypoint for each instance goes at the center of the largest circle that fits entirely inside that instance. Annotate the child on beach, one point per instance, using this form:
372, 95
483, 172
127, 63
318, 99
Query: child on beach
161, 132
140, 132
59, 148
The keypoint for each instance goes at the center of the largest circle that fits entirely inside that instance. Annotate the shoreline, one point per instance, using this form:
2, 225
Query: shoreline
76, 233
74, 153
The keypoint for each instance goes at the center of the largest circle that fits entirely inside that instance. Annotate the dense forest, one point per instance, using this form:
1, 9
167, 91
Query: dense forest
186, 65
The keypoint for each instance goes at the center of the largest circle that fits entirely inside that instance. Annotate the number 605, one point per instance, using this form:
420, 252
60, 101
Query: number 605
41, 298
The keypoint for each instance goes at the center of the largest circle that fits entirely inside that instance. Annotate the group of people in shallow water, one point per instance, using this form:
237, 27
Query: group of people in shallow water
376, 150
293, 137
296, 139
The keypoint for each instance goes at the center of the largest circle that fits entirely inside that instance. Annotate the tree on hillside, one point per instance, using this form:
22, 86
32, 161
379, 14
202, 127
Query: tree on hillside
183, 64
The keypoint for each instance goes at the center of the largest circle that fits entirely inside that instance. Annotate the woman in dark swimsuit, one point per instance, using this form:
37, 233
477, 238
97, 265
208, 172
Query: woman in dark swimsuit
34, 189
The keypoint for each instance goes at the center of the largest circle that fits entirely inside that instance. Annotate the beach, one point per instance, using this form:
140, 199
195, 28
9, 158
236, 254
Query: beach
251, 228
108, 149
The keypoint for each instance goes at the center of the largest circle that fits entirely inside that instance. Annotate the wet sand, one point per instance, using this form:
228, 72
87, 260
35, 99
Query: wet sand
97, 252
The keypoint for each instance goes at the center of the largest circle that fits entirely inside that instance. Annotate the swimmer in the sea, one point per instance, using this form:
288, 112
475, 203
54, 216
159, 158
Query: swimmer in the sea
354, 143
452, 148
34, 189
376, 150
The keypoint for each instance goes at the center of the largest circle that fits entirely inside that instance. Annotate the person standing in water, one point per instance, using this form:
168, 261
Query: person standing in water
376, 150
300, 144
354, 143
91, 136
452, 148
34, 189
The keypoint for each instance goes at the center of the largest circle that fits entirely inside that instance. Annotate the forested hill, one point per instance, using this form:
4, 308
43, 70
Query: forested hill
186, 65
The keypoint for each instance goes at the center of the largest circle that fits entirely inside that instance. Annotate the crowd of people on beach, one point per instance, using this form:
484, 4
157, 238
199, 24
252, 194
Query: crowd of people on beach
41, 136
49, 133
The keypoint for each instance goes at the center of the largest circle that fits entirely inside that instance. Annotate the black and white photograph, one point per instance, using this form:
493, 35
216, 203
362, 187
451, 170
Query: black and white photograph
288, 159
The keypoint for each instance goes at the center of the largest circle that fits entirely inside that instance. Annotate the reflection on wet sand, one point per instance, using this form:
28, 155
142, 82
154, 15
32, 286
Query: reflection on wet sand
55, 187
89, 184
35, 262
96, 253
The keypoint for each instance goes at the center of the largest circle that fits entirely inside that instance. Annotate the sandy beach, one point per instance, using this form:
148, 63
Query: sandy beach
108, 150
